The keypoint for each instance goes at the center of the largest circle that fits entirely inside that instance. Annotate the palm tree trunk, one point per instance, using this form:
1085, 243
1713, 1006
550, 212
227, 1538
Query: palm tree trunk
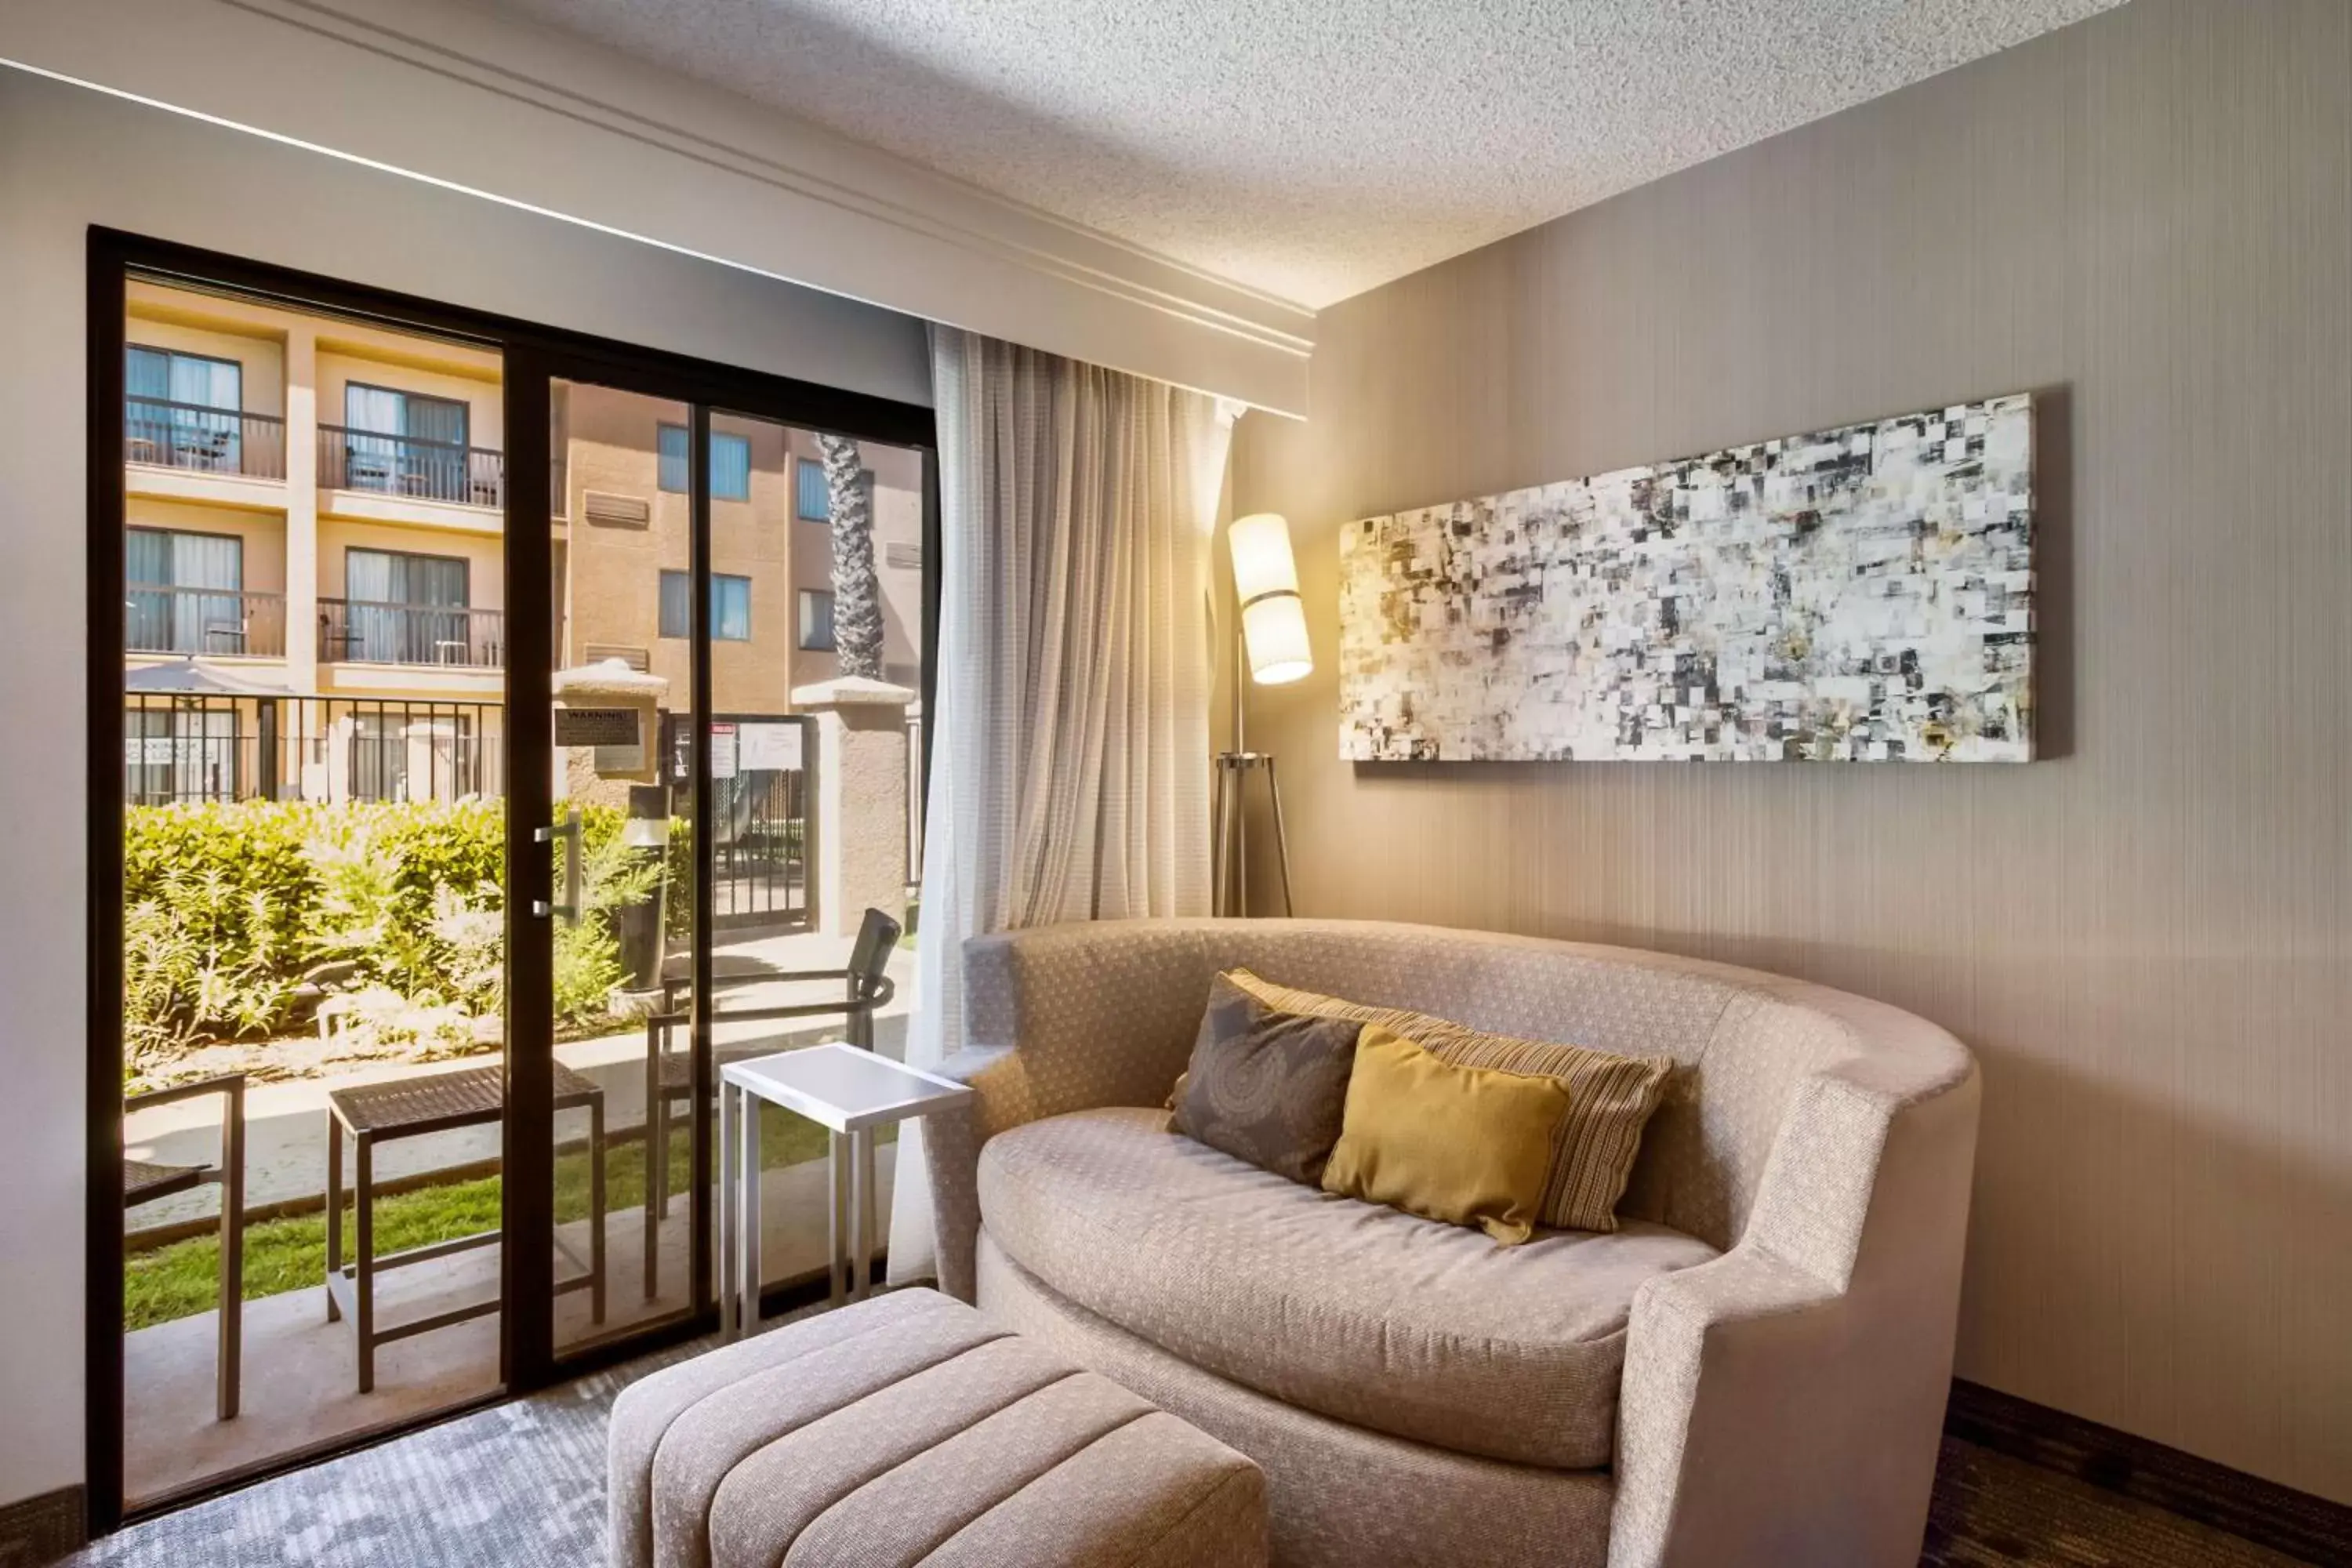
856, 595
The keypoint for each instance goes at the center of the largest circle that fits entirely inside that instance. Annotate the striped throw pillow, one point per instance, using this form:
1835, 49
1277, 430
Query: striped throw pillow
1613, 1096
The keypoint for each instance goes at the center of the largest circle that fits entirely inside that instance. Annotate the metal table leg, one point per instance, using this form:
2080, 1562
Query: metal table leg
861, 1245
364, 1253
334, 1211
747, 1218
729, 1222
837, 1203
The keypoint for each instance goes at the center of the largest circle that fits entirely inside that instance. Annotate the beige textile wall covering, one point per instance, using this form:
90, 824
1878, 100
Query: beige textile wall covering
2148, 938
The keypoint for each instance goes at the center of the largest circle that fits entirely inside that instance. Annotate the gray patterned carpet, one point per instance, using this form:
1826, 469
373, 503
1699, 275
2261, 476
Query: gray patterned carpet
522, 1485
518, 1485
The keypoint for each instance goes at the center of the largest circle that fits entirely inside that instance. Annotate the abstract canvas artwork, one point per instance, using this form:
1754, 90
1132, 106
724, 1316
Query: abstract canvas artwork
1860, 594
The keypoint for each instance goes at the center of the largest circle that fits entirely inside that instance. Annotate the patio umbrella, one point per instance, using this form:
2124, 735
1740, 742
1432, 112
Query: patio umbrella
193, 677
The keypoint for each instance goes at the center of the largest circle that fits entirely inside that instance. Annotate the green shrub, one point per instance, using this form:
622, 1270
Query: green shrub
227, 907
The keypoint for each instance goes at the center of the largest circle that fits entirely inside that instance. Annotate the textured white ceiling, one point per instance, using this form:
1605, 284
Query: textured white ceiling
1309, 148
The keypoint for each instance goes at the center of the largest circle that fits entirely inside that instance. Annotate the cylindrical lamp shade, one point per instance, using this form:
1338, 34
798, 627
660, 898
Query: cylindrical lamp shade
1265, 580
1276, 630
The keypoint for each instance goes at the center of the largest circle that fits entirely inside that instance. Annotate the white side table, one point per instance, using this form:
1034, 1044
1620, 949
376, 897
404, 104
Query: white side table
850, 1092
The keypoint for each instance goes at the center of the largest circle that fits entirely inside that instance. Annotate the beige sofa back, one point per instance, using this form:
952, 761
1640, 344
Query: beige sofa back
1745, 1039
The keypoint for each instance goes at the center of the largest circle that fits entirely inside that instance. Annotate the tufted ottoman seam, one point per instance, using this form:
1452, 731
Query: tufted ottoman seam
686, 1478
747, 1503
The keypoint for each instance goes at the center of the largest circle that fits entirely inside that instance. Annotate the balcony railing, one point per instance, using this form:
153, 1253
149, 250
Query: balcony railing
331, 750
361, 631
407, 466
170, 435
158, 618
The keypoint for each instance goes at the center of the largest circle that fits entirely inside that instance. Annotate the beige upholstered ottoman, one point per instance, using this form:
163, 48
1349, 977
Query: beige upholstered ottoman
907, 1429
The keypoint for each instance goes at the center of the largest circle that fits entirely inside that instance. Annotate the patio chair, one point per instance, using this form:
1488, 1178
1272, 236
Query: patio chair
669, 1074
145, 1181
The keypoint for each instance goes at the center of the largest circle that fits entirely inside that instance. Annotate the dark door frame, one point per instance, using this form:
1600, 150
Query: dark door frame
534, 357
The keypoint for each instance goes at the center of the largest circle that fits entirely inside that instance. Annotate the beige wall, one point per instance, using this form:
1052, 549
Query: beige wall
2146, 937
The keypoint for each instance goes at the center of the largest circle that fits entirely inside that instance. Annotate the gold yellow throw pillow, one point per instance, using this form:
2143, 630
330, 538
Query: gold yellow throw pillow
1465, 1146
1615, 1095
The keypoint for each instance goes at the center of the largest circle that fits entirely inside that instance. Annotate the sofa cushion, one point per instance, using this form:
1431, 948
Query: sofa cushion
1465, 1146
1267, 1086
1362, 1313
1611, 1096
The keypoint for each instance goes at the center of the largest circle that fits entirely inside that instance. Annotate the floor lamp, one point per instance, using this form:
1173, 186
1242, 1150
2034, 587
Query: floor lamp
1270, 643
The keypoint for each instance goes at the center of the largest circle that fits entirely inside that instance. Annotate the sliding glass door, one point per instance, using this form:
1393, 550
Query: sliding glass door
452, 820
698, 555
308, 846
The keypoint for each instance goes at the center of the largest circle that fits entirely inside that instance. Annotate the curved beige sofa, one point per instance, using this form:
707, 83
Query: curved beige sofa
1752, 1370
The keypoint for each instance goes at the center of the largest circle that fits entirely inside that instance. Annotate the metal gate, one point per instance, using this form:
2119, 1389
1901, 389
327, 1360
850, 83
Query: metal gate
759, 815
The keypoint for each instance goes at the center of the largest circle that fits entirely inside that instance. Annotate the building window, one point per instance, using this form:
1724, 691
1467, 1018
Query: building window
389, 411
816, 620
183, 591
404, 443
397, 577
812, 495
730, 607
183, 410
199, 381
730, 464
399, 608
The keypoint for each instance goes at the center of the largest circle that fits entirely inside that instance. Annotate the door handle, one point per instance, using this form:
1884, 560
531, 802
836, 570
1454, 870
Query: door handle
569, 831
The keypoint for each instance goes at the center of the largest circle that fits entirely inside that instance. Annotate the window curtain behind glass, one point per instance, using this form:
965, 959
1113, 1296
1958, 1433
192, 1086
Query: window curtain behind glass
406, 609
730, 467
730, 609
207, 623
147, 373
670, 473
367, 593
371, 421
207, 383
376, 409
433, 455
677, 604
187, 436
1070, 761
157, 566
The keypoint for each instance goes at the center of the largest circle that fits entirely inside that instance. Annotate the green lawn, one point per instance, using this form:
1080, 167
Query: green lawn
280, 1254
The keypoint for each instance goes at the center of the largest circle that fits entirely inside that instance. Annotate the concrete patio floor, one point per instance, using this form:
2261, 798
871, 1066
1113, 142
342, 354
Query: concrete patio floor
300, 1371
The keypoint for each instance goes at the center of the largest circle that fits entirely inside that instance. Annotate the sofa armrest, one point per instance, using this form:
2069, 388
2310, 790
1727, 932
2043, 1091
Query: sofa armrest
1057, 1019
1784, 1402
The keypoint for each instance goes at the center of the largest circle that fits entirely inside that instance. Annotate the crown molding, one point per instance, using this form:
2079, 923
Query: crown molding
500, 108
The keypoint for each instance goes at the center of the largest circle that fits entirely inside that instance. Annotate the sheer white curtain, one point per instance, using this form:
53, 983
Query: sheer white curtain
1070, 757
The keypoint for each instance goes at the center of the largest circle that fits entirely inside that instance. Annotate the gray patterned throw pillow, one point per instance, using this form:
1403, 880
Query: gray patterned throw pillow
1264, 1086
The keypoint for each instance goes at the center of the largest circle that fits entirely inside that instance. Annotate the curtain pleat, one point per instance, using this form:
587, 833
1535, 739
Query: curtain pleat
1070, 749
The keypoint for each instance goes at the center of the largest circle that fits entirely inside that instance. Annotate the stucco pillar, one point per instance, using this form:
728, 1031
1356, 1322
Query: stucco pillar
859, 801
302, 507
310, 777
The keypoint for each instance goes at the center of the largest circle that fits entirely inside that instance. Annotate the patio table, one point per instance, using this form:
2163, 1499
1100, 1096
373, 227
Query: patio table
850, 1092
379, 1113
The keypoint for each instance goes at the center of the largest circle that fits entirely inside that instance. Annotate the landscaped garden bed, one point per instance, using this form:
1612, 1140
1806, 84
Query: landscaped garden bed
234, 910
